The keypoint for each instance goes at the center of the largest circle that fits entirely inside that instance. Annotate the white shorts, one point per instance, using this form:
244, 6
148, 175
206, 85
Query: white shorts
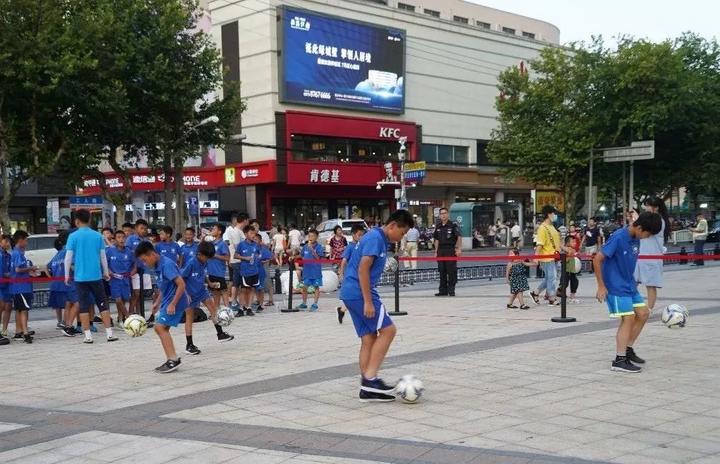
147, 282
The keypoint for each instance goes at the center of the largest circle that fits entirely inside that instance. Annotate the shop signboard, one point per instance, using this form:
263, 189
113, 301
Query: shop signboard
549, 197
336, 62
416, 171
335, 174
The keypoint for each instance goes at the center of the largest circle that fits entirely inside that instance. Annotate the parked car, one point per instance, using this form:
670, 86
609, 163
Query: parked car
714, 231
326, 228
41, 249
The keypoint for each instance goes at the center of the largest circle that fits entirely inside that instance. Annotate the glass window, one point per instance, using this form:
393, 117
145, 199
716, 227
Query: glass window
529, 35
445, 154
339, 150
406, 7
461, 155
508, 30
482, 157
460, 19
428, 152
483, 25
432, 13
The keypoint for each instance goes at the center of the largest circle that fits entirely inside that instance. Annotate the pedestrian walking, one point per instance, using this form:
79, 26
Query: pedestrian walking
515, 232
649, 272
592, 239
410, 247
700, 232
516, 277
448, 243
548, 243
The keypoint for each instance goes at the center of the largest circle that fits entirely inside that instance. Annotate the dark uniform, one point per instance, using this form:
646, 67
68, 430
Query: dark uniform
447, 235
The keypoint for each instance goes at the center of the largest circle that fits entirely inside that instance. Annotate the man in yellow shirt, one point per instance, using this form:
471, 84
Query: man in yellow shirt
547, 243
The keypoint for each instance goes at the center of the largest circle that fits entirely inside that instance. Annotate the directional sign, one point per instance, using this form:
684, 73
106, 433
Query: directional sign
415, 171
641, 150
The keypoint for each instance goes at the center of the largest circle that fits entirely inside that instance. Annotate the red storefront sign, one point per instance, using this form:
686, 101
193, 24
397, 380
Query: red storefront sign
193, 178
334, 174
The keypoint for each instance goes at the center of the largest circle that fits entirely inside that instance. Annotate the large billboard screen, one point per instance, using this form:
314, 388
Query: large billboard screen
329, 61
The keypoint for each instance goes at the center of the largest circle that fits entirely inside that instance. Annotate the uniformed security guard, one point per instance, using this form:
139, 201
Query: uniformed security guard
448, 242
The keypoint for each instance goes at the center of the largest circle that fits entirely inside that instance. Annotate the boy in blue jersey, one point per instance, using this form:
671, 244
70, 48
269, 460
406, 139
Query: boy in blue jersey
22, 291
311, 272
372, 324
167, 246
615, 268
6, 298
195, 275
58, 291
217, 265
357, 231
264, 281
121, 264
248, 277
139, 235
189, 247
171, 300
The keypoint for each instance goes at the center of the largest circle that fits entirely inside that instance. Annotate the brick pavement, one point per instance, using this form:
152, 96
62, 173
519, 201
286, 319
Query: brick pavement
502, 387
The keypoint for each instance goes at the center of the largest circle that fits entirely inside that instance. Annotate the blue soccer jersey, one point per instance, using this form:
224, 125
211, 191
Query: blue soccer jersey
188, 251
347, 253
120, 261
86, 245
217, 267
195, 273
621, 254
167, 271
169, 250
4, 270
18, 260
247, 249
56, 268
312, 271
373, 244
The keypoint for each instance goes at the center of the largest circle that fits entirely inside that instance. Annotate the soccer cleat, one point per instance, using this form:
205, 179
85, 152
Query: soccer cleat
249, 312
112, 339
623, 365
314, 307
168, 366
225, 337
192, 349
376, 386
341, 314
28, 338
535, 297
68, 332
633, 357
370, 397
88, 341
302, 306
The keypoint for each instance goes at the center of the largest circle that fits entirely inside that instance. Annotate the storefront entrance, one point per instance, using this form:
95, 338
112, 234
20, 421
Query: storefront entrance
307, 213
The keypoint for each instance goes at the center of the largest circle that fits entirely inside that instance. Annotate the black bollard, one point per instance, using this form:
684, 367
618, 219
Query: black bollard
683, 252
563, 294
141, 302
291, 268
278, 283
716, 251
397, 311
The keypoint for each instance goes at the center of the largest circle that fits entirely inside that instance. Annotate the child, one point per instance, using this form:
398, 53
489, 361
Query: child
372, 324
615, 265
312, 272
217, 265
22, 291
248, 279
279, 245
121, 264
172, 301
6, 298
195, 275
167, 246
189, 246
571, 274
357, 232
516, 276
265, 283
58, 289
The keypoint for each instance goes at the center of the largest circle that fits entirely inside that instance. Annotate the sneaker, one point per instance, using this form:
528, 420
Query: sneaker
112, 339
68, 332
59, 326
77, 330
88, 341
225, 337
269, 303
97, 319
30, 332
535, 297
259, 309
633, 357
314, 307
240, 313
151, 319
192, 349
168, 366
451, 293
555, 302
623, 365
93, 329
341, 314
28, 338
18, 336
249, 312
441, 294
302, 306
234, 306
525, 307
376, 386
4, 341
150, 324
3, 333
371, 397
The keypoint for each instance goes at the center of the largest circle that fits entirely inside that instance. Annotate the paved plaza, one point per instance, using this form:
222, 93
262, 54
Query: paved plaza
502, 386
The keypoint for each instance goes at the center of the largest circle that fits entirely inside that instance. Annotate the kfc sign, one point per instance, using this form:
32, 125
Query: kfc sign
325, 176
390, 132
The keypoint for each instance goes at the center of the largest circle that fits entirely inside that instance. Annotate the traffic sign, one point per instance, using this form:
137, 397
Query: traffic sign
415, 171
641, 150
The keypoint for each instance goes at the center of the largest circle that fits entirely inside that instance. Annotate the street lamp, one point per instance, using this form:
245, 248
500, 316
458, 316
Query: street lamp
238, 137
210, 119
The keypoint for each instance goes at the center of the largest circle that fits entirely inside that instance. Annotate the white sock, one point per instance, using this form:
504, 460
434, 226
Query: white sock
108, 332
88, 334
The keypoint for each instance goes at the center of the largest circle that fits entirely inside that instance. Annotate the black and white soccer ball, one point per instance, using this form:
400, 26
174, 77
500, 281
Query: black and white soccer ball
674, 316
409, 388
225, 316
135, 325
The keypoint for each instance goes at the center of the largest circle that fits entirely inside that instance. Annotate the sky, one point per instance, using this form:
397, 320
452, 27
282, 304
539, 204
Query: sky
654, 19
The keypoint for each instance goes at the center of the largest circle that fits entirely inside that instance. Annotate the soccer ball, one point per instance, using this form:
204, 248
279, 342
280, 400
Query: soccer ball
135, 325
225, 316
674, 316
391, 265
310, 289
409, 389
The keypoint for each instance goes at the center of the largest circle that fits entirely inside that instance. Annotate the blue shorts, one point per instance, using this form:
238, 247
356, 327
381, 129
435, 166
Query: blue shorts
363, 325
172, 320
57, 299
195, 300
317, 283
5, 295
72, 296
619, 306
120, 289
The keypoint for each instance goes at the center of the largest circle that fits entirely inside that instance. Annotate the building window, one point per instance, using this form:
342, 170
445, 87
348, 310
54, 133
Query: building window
341, 150
432, 13
382, 2
444, 154
406, 7
508, 30
482, 157
460, 19
529, 35
483, 25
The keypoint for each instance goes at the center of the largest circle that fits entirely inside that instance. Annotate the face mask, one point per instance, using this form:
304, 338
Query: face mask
553, 218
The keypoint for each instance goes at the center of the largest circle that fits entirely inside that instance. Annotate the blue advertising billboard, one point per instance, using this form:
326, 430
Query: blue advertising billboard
329, 61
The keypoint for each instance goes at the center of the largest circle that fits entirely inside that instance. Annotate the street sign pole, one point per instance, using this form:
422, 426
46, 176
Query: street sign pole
624, 195
590, 187
631, 193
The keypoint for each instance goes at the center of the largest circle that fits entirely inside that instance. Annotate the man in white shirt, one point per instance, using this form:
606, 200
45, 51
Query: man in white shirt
233, 236
410, 246
515, 232
264, 236
295, 238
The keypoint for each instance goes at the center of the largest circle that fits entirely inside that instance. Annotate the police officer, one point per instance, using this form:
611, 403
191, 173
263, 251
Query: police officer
448, 242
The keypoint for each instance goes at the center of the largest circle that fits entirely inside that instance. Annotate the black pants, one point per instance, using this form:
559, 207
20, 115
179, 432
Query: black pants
94, 288
448, 271
571, 278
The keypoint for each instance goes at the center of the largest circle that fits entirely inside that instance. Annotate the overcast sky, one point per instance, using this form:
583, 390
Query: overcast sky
653, 19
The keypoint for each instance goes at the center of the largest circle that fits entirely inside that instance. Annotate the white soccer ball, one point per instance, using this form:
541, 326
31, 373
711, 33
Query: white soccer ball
225, 316
135, 325
409, 389
391, 264
310, 289
674, 316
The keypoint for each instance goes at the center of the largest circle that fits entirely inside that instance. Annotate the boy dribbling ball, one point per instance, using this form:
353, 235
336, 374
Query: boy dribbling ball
357, 233
372, 323
172, 300
311, 272
615, 267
